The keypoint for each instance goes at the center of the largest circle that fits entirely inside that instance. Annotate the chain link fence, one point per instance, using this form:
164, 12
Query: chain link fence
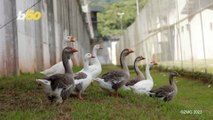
177, 33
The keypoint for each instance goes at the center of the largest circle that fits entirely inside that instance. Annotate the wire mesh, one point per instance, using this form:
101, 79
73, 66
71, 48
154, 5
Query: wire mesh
177, 33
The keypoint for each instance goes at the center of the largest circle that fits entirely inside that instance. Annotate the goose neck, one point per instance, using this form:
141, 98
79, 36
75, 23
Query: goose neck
149, 77
172, 83
137, 70
95, 60
86, 64
66, 63
124, 66
94, 52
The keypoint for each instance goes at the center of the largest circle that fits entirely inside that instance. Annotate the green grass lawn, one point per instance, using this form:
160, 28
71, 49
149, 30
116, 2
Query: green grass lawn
22, 99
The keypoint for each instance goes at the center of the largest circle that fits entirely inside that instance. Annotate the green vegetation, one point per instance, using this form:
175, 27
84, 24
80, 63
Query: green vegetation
109, 22
187, 71
201, 76
102, 3
21, 98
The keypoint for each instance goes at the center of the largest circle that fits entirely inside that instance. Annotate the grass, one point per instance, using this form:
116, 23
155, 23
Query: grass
21, 98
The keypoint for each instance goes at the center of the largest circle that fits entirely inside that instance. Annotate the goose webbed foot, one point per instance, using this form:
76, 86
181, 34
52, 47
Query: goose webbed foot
59, 101
51, 99
84, 94
79, 96
116, 93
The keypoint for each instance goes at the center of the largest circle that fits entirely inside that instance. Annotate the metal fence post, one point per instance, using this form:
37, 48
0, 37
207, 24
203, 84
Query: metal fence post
178, 26
170, 46
190, 39
203, 39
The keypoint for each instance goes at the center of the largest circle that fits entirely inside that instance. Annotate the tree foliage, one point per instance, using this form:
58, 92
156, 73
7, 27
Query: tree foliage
102, 3
109, 23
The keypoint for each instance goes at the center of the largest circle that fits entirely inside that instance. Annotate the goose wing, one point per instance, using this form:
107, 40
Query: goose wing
116, 78
132, 82
60, 81
80, 75
163, 91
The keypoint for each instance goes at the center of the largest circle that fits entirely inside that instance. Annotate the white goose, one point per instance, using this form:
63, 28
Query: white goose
58, 67
83, 78
59, 86
95, 67
115, 79
144, 86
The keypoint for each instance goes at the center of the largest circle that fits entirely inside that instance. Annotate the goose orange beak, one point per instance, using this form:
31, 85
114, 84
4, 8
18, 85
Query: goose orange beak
130, 51
74, 50
154, 62
72, 39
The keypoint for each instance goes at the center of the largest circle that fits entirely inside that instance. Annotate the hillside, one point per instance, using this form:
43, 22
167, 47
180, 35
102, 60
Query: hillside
110, 22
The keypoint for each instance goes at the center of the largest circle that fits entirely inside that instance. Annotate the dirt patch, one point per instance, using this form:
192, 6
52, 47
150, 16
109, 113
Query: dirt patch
32, 100
14, 99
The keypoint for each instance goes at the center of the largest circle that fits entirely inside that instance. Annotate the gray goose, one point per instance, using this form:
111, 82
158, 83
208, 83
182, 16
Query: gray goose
115, 79
59, 86
166, 93
140, 75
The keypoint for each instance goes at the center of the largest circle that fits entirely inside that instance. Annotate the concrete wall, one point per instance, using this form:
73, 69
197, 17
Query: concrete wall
8, 39
31, 46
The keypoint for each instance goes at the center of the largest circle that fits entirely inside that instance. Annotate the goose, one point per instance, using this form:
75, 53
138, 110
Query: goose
83, 78
166, 93
69, 38
95, 67
144, 86
113, 80
59, 86
140, 75
58, 67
